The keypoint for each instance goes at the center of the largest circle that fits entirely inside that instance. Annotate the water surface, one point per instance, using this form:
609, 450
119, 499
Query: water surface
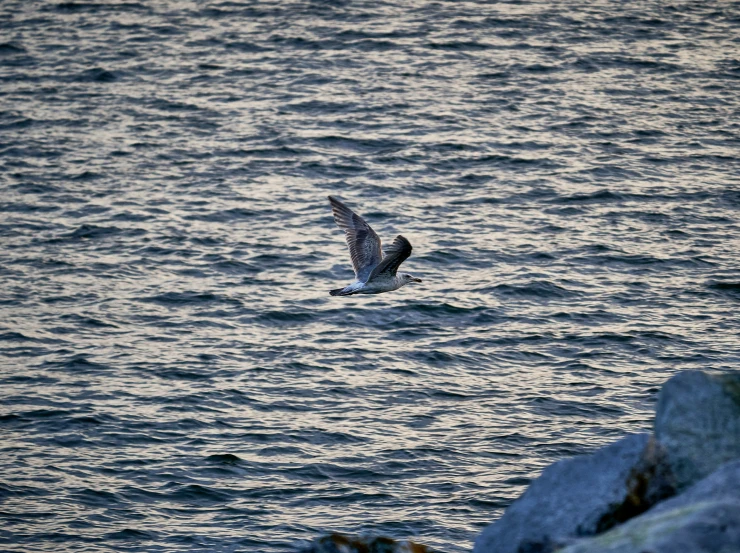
174, 376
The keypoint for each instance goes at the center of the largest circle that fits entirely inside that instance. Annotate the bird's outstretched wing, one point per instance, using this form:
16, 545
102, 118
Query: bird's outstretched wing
395, 254
364, 244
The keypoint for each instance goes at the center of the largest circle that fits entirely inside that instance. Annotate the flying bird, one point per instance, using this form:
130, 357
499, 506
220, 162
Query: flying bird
375, 273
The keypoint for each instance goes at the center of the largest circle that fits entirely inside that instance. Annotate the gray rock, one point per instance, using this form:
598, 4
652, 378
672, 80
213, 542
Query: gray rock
698, 423
703, 519
573, 497
341, 543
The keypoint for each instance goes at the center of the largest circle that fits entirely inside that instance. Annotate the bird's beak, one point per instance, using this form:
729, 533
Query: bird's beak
416, 279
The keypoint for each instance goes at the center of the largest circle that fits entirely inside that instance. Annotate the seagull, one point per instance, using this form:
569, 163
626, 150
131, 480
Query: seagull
374, 272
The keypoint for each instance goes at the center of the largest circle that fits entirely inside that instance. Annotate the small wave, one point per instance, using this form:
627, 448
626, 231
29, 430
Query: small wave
535, 289
278, 451
565, 408
197, 493
730, 289
246, 47
600, 196
97, 498
225, 216
331, 472
360, 145
16, 337
87, 176
273, 152
436, 358
19, 123
98, 75
87, 321
725, 285
495, 76
92, 232
174, 373
443, 309
460, 45
289, 317
617, 258
17, 490
10, 48
131, 534
453, 396
375, 45
225, 459
173, 105
190, 298
498, 160
79, 364
93, 7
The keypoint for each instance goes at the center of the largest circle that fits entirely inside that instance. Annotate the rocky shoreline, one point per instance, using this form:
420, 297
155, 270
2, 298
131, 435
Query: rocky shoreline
658, 492
676, 489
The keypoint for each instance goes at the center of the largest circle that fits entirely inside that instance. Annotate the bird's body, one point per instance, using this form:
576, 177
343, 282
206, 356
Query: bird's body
375, 286
374, 272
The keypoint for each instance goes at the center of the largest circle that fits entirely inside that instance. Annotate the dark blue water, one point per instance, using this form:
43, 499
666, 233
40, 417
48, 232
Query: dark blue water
174, 376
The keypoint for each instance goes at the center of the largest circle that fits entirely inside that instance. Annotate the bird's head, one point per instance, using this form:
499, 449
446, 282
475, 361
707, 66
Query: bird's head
410, 278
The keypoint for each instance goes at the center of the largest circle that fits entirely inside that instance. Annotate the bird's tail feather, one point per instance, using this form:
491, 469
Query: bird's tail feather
338, 292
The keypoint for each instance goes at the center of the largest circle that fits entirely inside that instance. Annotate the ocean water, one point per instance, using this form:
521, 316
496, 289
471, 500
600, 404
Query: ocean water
173, 373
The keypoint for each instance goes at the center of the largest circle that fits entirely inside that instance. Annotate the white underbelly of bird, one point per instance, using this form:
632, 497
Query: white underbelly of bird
375, 286
375, 273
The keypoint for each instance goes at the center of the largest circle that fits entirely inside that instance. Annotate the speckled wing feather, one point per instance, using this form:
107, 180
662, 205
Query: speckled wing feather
364, 244
395, 254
